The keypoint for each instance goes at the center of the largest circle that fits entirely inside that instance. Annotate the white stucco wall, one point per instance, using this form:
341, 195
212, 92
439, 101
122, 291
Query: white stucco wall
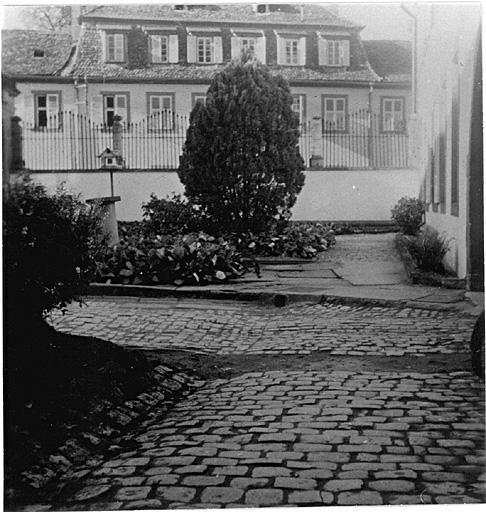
327, 195
354, 195
446, 53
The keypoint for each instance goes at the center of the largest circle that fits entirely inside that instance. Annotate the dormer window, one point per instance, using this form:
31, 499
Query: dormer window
291, 49
204, 47
180, 7
39, 53
114, 47
252, 41
333, 52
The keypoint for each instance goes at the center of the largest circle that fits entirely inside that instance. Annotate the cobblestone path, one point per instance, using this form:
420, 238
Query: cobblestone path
229, 328
278, 438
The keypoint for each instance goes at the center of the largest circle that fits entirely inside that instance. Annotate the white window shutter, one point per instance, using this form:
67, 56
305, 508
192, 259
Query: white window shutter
280, 50
121, 107
173, 48
191, 49
28, 114
218, 49
96, 109
323, 52
235, 47
119, 47
155, 48
302, 51
261, 50
345, 47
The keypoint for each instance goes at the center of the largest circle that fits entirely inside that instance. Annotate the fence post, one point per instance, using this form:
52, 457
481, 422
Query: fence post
317, 156
16, 160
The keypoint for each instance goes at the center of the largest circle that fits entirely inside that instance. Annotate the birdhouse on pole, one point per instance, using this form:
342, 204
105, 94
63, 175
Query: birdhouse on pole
111, 159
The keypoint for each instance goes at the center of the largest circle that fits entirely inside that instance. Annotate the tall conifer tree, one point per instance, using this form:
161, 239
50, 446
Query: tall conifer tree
241, 163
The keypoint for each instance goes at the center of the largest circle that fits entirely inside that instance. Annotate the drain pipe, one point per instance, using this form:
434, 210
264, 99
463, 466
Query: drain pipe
414, 56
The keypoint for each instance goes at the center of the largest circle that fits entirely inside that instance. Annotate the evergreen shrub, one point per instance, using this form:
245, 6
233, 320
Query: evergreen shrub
241, 164
409, 213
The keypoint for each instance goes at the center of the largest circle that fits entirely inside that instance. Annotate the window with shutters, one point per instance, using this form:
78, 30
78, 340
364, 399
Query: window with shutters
205, 50
47, 110
291, 52
161, 111
392, 114
334, 113
159, 49
115, 105
298, 106
115, 47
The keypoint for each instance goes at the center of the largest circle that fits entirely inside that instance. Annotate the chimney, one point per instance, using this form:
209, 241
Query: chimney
75, 24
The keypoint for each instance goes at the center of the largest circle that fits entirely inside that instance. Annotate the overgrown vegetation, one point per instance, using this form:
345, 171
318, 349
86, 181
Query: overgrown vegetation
241, 164
409, 213
50, 247
428, 249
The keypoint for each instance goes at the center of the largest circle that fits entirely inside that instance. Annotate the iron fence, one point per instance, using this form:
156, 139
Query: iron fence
71, 141
364, 140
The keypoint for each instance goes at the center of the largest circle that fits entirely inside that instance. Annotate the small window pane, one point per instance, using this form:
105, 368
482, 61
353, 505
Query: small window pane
110, 101
41, 101
121, 101
340, 105
329, 105
166, 103
155, 102
42, 121
398, 106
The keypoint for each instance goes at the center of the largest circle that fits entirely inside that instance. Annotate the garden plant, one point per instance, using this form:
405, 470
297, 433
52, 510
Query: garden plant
409, 213
241, 164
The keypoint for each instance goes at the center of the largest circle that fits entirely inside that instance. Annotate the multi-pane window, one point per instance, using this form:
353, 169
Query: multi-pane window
334, 113
291, 51
204, 50
248, 44
298, 106
392, 114
335, 53
115, 105
115, 47
159, 49
160, 112
47, 110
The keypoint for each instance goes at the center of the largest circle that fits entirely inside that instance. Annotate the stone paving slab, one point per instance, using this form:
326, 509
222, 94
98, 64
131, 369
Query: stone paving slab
303, 438
238, 328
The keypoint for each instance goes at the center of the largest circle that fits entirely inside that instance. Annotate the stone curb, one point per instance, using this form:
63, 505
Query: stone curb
80, 453
278, 298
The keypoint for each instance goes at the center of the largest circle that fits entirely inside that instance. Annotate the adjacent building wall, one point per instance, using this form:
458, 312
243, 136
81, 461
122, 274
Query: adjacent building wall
447, 50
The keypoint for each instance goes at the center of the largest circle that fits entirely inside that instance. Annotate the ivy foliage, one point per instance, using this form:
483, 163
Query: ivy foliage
137, 48
241, 164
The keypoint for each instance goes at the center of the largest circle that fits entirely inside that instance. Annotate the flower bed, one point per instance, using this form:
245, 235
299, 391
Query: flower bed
193, 259
305, 240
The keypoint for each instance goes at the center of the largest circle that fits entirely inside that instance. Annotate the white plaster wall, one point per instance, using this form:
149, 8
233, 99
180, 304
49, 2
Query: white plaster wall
134, 188
354, 195
327, 195
446, 52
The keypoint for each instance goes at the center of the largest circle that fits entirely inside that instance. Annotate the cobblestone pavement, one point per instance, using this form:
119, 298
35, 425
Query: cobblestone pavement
274, 438
278, 438
231, 328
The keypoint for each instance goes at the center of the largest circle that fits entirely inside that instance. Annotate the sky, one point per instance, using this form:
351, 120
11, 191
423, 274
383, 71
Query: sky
381, 20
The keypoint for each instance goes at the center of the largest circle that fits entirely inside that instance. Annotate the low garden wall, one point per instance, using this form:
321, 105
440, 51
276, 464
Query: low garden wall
341, 195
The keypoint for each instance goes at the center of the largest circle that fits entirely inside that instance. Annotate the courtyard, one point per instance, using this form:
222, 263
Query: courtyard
313, 404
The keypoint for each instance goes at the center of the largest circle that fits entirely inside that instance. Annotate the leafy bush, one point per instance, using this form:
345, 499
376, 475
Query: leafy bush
428, 250
241, 164
50, 244
298, 241
193, 259
170, 216
408, 213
